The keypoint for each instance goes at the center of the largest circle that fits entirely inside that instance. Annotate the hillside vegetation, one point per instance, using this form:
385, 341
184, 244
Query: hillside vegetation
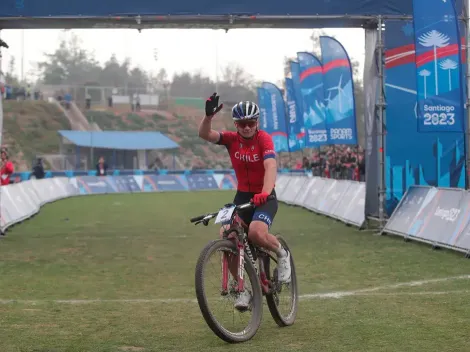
30, 128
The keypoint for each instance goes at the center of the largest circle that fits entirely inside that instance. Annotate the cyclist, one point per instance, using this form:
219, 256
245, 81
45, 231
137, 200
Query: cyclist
252, 154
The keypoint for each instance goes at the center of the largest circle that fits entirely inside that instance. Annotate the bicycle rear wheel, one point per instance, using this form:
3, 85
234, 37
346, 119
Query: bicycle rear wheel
282, 305
207, 302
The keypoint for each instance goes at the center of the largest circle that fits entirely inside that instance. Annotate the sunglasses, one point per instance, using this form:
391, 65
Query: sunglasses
243, 124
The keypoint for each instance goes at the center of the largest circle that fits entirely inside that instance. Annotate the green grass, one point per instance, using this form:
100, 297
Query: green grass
142, 246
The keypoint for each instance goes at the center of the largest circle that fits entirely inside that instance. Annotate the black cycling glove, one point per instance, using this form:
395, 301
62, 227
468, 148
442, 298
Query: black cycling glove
212, 105
3, 44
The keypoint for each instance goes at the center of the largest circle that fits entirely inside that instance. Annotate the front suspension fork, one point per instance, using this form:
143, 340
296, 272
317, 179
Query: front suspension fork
240, 269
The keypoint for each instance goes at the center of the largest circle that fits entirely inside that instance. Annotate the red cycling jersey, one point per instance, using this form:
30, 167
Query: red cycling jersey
247, 156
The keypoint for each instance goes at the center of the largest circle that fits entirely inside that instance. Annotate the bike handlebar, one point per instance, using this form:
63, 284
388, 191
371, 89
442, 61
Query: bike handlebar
238, 207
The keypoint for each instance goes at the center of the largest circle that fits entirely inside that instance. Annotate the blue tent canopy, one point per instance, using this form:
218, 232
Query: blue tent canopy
120, 140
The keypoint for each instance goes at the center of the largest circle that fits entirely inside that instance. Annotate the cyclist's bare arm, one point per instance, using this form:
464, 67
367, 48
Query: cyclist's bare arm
206, 132
270, 173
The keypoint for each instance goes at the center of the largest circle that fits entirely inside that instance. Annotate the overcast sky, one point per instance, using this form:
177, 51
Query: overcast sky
259, 51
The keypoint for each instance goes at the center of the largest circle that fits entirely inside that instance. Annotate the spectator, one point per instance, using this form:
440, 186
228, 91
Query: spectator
38, 169
6, 169
305, 163
68, 100
88, 101
101, 167
349, 162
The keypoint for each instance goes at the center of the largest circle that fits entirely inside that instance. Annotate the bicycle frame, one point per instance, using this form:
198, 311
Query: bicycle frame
236, 232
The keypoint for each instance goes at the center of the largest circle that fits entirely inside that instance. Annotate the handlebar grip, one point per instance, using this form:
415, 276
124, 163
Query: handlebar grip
197, 218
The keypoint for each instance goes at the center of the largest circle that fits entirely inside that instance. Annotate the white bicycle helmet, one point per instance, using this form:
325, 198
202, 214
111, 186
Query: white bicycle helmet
245, 110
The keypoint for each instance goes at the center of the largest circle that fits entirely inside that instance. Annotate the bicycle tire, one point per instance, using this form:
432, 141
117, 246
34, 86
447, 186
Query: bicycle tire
270, 299
257, 304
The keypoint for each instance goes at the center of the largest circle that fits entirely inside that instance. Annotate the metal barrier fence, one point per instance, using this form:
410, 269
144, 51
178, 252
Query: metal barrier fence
22, 200
439, 216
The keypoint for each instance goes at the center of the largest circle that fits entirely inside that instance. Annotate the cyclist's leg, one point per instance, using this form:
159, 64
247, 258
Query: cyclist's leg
259, 234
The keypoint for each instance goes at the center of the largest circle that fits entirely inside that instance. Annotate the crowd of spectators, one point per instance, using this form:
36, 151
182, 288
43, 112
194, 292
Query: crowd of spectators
338, 162
19, 92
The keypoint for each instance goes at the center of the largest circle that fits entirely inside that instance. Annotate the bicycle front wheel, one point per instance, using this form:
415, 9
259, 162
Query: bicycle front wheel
218, 307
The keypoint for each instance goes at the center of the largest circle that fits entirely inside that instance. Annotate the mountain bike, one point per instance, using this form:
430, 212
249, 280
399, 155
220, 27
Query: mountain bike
256, 264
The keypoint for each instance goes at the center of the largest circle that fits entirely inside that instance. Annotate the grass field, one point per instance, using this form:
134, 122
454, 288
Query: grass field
102, 273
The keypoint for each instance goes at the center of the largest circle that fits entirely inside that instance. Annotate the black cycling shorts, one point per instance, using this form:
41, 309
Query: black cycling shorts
264, 213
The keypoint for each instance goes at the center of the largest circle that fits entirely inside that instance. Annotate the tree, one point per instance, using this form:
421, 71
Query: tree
69, 64
10, 75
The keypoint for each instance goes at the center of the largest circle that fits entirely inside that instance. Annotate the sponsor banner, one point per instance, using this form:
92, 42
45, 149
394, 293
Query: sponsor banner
144, 183
70, 189
94, 185
313, 99
408, 215
198, 182
273, 116
24, 201
226, 182
295, 186
73, 185
438, 67
440, 216
327, 201
340, 108
295, 120
43, 189
301, 196
315, 195
61, 187
123, 184
282, 183
346, 199
435, 158
5, 208
355, 210
29, 191
167, 182
341, 199
12, 201
460, 238
437, 217
335, 197
444, 217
